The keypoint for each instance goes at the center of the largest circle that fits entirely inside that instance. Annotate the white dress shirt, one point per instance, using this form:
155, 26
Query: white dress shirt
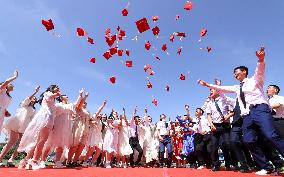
161, 126
225, 104
132, 128
276, 99
202, 125
252, 88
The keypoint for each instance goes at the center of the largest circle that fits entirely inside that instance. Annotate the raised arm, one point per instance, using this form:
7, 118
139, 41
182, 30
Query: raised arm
260, 68
34, 93
9, 80
134, 114
187, 113
83, 100
101, 108
227, 89
80, 97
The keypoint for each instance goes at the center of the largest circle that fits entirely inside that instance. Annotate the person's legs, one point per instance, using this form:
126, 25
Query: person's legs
97, 154
43, 136
279, 126
162, 152
58, 155
13, 138
169, 146
78, 152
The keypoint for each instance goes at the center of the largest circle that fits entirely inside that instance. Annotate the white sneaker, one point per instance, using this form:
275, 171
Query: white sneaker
108, 166
42, 164
29, 165
262, 172
58, 164
124, 165
85, 164
200, 167
34, 166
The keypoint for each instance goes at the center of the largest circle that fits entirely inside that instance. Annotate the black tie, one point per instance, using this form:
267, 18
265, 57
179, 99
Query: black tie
242, 95
136, 132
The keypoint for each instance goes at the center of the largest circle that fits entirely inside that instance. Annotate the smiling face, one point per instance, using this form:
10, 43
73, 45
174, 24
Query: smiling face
240, 74
10, 88
213, 93
270, 91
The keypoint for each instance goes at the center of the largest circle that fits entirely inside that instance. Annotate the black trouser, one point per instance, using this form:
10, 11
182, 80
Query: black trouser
238, 148
134, 143
223, 132
279, 126
206, 143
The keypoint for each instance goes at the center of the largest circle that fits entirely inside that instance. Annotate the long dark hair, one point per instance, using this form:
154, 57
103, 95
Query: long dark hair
6, 90
51, 88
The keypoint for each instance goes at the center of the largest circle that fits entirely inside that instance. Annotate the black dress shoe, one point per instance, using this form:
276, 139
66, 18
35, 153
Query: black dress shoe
215, 168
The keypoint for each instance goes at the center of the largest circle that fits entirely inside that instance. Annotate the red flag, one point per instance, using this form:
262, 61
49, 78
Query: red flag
48, 24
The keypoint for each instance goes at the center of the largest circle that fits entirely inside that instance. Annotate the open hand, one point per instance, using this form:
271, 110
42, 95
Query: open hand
202, 83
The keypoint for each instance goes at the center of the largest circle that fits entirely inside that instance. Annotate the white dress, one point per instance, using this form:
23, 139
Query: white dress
43, 118
111, 138
148, 141
60, 136
123, 140
21, 120
5, 101
96, 135
154, 147
80, 127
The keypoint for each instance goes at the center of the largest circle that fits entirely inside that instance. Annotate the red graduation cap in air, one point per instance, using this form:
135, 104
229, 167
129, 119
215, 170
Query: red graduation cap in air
182, 77
110, 40
155, 101
172, 37
129, 63
156, 30
113, 50
208, 49
177, 17
167, 88
147, 67
147, 45
149, 85
203, 32
127, 52
124, 12
179, 50
107, 55
92, 60
188, 5
164, 47
119, 52
142, 25
90, 40
81, 32
112, 79
155, 18
181, 34
151, 73
48, 24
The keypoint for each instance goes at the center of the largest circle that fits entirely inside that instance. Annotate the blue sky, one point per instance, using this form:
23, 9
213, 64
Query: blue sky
235, 30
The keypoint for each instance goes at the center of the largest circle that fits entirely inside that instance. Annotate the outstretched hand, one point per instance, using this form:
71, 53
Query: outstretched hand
37, 89
260, 54
16, 74
203, 83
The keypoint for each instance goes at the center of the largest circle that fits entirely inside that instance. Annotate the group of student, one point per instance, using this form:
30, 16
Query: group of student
248, 129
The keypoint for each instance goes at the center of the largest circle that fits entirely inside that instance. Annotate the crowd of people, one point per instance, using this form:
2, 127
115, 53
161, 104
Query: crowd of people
248, 130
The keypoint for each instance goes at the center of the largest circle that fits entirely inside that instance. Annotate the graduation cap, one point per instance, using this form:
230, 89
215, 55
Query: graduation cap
81, 32
90, 40
92, 60
129, 63
112, 79
48, 24
142, 25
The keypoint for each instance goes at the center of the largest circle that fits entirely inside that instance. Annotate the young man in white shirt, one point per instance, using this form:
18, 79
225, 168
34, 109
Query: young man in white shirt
163, 129
255, 111
276, 102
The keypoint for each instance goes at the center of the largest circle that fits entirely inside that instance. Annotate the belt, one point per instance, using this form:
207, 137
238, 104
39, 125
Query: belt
220, 124
255, 105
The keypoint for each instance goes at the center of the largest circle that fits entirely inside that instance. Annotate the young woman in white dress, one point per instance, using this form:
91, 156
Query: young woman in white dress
60, 136
124, 147
110, 145
80, 130
16, 125
37, 132
95, 141
5, 98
